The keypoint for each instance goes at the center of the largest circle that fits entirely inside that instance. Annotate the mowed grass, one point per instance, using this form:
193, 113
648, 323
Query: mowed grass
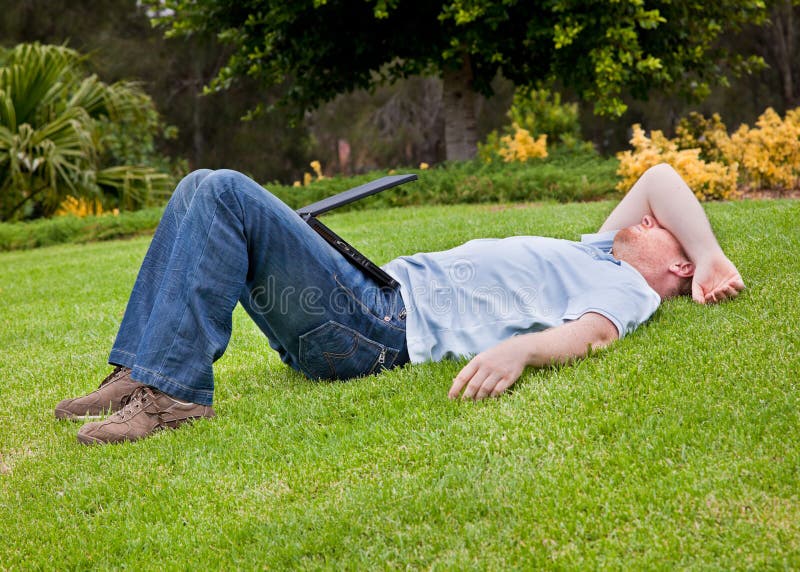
676, 448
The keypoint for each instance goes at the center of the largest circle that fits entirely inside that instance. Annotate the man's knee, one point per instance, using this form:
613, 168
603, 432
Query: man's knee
245, 189
220, 181
186, 189
196, 177
209, 186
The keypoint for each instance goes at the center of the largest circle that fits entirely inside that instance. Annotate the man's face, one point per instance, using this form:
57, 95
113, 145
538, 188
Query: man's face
647, 242
656, 254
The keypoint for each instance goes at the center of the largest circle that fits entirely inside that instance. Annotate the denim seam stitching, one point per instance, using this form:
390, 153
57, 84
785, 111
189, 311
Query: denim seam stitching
357, 337
191, 277
123, 352
366, 308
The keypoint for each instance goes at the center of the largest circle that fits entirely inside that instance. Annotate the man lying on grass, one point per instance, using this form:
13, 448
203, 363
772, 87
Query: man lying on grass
509, 303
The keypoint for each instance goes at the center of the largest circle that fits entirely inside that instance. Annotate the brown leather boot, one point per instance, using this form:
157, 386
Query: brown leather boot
106, 399
148, 410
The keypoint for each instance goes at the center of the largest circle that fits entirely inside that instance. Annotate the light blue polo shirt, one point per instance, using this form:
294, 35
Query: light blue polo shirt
462, 301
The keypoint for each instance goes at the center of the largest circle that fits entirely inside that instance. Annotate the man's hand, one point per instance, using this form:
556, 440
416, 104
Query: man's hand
716, 280
491, 372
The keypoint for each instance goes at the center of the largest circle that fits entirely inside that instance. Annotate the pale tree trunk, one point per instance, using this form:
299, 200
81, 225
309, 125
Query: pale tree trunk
460, 127
198, 136
782, 43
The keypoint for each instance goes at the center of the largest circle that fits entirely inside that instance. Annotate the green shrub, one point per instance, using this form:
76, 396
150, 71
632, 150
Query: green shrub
64, 133
24, 235
541, 112
535, 113
564, 176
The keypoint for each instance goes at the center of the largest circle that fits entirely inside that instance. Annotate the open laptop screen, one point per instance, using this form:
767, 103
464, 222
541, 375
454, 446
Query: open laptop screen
310, 212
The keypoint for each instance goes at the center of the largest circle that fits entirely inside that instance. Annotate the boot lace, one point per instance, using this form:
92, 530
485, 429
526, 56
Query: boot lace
135, 402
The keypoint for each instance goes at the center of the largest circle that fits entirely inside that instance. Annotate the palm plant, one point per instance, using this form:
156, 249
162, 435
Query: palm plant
52, 138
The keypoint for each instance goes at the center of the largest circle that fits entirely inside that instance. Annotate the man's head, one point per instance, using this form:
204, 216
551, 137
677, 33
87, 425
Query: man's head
657, 255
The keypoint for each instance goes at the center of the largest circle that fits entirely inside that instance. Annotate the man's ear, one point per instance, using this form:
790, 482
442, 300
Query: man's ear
682, 268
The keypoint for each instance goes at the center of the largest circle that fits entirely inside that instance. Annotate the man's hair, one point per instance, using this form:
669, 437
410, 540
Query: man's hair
685, 288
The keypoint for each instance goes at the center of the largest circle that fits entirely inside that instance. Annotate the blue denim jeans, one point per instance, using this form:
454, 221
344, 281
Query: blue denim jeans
223, 239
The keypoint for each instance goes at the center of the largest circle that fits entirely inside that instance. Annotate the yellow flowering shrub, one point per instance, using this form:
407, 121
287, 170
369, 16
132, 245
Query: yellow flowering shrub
708, 179
81, 207
769, 154
521, 146
308, 178
534, 113
713, 162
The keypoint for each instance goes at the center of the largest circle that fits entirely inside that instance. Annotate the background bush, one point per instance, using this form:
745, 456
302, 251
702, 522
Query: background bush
63, 133
46, 232
561, 177
714, 164
708, 179
768, 154
536, 116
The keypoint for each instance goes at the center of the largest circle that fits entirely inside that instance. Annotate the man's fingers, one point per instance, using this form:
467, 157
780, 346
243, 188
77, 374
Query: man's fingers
729, 291
725, 293
502, 385
475, 383
487, 387
489, 373
462, 379
725, 289
697, 293
731, 287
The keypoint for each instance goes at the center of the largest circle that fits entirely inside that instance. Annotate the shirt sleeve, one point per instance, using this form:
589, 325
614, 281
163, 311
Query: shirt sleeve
626, 305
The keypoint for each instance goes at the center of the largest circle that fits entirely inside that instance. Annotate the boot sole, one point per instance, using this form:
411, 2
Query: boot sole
169, 425
87, 440
69, 416
90, 440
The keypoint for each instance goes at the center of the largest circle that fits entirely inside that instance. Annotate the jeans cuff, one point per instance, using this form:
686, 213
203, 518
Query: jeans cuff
172, 387
121, 357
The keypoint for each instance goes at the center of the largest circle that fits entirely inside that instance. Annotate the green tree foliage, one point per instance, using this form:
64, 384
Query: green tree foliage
124, 45
541, 111
56, 135
601, 49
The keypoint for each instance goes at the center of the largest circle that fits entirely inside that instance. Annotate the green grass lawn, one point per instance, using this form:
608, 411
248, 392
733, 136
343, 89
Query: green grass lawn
676, 447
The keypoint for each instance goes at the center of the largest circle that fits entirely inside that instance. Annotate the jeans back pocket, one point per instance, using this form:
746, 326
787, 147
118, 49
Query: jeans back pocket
334, 351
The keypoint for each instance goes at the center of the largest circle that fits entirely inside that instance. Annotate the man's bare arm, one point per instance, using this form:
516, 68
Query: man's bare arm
493, 371
663, 194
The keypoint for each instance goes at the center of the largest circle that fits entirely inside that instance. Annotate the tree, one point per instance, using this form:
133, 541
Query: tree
601, 49
781, 48
124, 46
53, 139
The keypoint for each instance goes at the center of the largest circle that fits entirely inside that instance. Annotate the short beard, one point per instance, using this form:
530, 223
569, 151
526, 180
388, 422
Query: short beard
623, 240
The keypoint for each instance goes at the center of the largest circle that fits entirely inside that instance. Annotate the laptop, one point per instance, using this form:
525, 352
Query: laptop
311, 212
